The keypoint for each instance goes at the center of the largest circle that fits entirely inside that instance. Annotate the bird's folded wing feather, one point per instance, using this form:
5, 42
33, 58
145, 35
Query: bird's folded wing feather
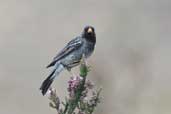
70, 47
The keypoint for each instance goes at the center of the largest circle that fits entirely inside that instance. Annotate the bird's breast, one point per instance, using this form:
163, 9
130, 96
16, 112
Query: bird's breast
87, 49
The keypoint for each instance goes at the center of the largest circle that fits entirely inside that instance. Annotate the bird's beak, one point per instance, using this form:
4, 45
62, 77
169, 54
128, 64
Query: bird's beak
90, 30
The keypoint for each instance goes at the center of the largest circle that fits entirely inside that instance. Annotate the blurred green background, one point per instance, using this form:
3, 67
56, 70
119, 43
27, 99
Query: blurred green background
132, 59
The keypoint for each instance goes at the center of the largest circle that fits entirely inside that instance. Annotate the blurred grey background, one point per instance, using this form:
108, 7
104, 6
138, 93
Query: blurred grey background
132, 59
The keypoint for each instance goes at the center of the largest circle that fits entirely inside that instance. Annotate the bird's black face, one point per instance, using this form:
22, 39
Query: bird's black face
89, 33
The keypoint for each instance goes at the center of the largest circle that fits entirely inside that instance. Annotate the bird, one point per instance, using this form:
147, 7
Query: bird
70, 56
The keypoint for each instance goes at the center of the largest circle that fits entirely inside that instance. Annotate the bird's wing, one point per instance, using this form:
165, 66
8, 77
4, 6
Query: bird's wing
70, 47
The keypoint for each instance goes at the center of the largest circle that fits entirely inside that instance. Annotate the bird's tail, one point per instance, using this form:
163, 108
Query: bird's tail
48, 81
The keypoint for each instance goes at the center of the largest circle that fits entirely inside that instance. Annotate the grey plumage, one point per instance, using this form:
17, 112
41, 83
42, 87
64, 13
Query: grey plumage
71, 55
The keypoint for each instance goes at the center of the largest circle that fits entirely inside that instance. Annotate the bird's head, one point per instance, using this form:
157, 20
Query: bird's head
89, 34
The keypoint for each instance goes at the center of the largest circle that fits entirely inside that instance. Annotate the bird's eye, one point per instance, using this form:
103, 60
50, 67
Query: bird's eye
93, 29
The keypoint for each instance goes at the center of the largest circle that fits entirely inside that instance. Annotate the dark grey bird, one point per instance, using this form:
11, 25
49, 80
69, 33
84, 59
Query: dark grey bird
70, 56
